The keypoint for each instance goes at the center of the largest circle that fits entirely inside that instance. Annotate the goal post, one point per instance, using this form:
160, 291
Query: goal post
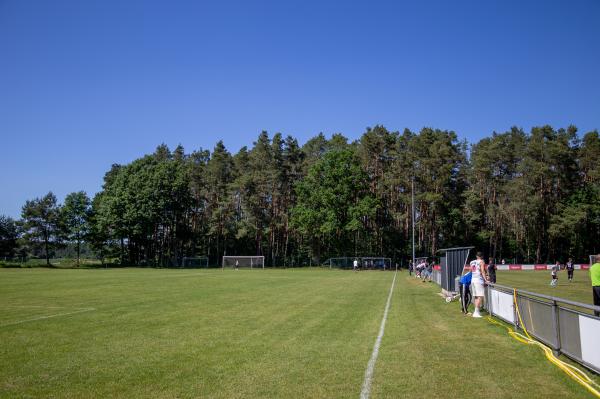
253, 262
194, 261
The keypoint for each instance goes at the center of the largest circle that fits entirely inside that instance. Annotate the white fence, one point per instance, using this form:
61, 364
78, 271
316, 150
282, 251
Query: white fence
436, 276
567, 327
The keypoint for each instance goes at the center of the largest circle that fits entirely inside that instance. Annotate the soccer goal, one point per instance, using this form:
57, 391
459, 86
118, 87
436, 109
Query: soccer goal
368, 262
379, 263
191, 262
341, 263
252, 262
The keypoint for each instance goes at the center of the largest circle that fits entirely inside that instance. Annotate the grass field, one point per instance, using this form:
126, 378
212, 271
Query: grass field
252, 333
580, 289
61, 263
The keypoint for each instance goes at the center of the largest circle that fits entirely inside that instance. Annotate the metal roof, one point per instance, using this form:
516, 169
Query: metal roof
454, 249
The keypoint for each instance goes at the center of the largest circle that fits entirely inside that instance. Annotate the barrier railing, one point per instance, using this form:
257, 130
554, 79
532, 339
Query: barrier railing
567, 327
436, 277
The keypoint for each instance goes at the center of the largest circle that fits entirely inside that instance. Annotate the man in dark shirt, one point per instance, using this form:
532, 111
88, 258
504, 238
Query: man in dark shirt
492, 271
570, 268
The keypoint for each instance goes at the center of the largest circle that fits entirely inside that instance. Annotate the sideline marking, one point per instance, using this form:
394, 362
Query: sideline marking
366, 386
47, 317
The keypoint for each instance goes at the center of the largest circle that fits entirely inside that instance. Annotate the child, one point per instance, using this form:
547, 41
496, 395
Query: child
464, 286
554, 274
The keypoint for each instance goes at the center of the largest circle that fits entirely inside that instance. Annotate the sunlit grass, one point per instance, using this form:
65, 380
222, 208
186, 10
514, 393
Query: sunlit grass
251, 333
580, 289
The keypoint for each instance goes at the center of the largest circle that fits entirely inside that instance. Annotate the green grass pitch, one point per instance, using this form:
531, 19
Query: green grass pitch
135, 333
580, 289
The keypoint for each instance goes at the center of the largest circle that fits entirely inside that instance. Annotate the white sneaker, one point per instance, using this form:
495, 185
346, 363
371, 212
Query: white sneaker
476, 313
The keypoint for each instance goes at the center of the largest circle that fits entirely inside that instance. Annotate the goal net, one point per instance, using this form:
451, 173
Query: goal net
369, 262
342, 263
377, 263
191, 262
252, 262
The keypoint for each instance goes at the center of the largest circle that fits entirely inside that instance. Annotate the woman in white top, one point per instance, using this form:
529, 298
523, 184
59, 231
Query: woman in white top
478, 281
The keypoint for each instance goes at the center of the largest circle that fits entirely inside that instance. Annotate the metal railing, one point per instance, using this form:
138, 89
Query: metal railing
436, 277
567, 327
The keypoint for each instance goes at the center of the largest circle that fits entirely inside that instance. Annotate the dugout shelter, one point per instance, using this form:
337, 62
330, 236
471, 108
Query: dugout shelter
452, 262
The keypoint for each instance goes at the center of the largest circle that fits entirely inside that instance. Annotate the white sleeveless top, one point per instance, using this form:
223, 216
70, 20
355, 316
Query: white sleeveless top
476, 276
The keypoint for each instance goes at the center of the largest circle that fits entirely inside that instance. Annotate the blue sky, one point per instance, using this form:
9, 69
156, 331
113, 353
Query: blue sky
84, 84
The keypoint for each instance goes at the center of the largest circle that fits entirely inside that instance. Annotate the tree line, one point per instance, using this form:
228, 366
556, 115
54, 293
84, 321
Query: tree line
528, 197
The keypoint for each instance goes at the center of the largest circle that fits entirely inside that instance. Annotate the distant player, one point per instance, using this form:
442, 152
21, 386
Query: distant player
570, 268
237, 264
355, 265
554, 274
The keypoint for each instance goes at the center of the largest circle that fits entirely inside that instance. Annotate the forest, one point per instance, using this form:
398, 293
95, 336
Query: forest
522, 196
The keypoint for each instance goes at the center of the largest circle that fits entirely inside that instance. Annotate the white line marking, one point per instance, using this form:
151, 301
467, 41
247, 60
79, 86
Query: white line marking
34, 306
366, 387
187, 275
47, 317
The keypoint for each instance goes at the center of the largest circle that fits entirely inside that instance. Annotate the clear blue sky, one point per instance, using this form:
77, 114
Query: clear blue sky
86, 84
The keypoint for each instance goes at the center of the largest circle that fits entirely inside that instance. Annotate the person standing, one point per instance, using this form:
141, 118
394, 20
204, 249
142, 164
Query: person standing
570, 268
554, 274
492, 271
595, 276
410, 267
464, 286
427, 271
478, 280
355, 265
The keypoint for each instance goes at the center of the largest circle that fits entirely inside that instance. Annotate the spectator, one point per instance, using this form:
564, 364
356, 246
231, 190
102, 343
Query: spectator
570, 268
464, 286
428, 271
478, 280
422, 269
595, 275
492, 271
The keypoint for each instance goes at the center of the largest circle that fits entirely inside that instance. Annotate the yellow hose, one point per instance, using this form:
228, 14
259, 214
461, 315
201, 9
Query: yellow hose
573, 372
